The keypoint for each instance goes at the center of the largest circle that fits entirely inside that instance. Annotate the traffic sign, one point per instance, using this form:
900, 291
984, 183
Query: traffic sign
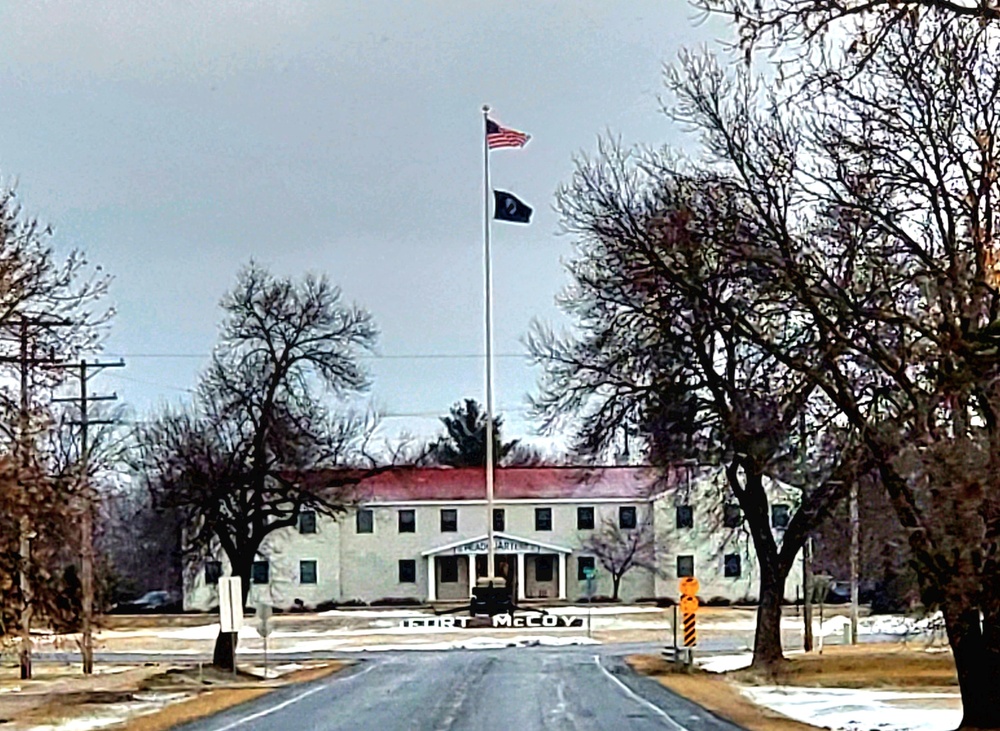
689, 586
690, 633
590, 572
689, 604
230, 603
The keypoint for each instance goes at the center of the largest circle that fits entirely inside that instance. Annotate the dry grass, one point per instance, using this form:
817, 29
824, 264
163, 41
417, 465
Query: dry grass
837, 667
862, 666
716, 693
204, 701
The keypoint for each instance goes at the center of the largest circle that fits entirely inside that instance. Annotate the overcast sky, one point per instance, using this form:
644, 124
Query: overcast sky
175, 140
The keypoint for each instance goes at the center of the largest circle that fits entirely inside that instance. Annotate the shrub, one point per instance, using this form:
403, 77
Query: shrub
717, 601
396, 601
354, 603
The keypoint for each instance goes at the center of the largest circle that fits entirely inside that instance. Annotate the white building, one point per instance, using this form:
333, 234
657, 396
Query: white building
421, 533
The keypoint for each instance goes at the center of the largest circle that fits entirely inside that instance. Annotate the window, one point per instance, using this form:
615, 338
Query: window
449, 569
731, 516
365, 521
780, 516
213, 572
499, 519
733, 565
543, 518
260, 572
583, 565
407, 521
685, 566
543, 568
626, 518
449, 520
307, 521
585, 519
307, 572
685, 516
407, 571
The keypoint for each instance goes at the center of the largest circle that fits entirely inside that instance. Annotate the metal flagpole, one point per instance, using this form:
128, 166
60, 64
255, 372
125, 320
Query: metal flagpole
488, 273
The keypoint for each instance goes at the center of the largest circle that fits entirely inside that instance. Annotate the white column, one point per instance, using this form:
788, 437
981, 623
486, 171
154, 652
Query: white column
472, 573
432, 578
562, 575
520, 577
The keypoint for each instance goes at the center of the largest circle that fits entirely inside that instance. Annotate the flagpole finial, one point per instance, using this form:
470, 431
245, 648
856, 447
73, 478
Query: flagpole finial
486, 108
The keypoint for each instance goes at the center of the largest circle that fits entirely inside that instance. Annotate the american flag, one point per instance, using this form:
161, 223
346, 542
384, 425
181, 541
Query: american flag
497, 136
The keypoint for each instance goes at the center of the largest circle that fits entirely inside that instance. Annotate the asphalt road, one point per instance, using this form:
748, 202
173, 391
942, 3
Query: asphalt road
524, 689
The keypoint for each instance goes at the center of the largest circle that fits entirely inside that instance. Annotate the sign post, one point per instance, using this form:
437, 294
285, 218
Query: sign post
231, 608
264, 615
590, 572
689, 607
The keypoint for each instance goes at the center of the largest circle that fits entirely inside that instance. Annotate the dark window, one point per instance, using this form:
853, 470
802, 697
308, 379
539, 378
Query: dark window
407, 571
685, 516
584, 518
626, 518
731, 516
499, 519
260, 572
213, 572
583, 563
780, 516
543, 518
733, 565
365, 521
307, 521
407, 521
449, 520
449, 569
307, 572
543, 568
685, 566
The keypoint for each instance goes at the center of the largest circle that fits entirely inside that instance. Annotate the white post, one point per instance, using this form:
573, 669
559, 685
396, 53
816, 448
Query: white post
472, 573
521, 589
562, 575
432, 578
488, 276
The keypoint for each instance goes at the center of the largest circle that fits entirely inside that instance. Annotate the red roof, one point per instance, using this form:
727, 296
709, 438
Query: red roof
469, 483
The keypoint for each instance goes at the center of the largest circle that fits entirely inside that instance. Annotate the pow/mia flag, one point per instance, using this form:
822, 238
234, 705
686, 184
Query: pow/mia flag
507, 207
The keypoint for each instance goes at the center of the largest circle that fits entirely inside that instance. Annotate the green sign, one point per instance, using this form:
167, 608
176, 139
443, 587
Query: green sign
590, 572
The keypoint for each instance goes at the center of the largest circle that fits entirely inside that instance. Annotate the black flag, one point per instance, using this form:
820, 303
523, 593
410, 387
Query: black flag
507, 207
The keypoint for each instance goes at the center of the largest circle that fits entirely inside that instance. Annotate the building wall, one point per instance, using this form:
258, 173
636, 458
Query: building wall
365, 566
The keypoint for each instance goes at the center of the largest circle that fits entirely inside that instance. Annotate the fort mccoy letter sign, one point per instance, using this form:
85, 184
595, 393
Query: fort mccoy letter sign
551, 621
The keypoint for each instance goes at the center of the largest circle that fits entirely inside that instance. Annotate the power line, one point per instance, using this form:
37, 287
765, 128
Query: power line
370, 356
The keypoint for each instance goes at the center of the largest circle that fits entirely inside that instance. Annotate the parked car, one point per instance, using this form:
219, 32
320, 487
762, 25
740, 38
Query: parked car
152, 602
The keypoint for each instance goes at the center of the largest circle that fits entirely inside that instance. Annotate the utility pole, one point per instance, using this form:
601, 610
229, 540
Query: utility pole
807, 590
23, 449
855, 560
87, 508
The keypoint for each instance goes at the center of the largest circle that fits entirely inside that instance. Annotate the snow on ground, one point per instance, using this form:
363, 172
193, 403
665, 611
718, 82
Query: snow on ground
595, 611
860, 710
724, 663
114, 714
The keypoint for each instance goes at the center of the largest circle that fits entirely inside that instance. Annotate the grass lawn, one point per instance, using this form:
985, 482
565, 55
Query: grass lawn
861, 666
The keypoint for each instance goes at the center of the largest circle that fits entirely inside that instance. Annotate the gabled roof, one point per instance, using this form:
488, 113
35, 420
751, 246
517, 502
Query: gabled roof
511, 483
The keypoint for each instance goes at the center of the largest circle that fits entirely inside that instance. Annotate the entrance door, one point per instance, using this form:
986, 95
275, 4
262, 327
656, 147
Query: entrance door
506, 566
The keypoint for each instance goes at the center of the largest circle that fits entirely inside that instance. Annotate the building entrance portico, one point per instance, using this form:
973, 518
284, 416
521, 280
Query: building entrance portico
532, 569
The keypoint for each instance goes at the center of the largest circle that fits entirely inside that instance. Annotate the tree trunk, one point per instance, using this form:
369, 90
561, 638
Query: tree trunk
225, 648
616, 580
977, 666
224, 654
767, 654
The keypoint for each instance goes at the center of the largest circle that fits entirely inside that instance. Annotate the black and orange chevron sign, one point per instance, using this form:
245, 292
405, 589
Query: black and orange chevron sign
690, 633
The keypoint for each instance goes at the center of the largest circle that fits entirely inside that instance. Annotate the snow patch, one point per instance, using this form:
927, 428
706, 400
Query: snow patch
724, 663
846, 709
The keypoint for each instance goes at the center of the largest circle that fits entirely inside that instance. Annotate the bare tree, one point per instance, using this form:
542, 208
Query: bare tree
239, 464
664, 255
620, 550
